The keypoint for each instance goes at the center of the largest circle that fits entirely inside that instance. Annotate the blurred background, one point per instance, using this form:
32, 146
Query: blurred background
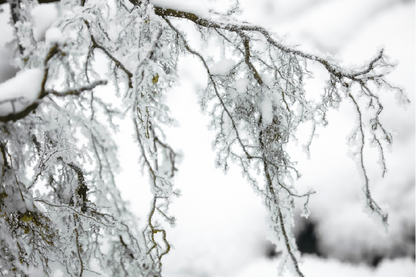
221, 224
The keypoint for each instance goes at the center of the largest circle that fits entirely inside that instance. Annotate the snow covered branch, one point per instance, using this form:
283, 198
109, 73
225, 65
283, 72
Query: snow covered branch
255, 98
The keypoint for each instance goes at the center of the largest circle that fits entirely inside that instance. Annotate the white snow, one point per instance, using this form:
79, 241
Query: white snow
196, 7
42, 22
6, 70
54, 35
315, 266
222, 67
267, 110
241, 85
20, 91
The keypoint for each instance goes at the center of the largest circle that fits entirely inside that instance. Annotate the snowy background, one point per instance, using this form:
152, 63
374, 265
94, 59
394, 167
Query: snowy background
221, 224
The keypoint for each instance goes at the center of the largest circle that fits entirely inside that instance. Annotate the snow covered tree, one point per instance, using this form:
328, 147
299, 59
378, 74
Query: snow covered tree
59, 204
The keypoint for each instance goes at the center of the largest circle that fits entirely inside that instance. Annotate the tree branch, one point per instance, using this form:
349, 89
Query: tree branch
238, 28
31, 108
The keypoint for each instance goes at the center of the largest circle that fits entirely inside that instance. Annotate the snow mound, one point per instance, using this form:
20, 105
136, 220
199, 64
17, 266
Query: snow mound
20, 91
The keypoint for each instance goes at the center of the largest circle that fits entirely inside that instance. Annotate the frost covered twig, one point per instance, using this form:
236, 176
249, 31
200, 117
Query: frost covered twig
288, 66
370, 201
